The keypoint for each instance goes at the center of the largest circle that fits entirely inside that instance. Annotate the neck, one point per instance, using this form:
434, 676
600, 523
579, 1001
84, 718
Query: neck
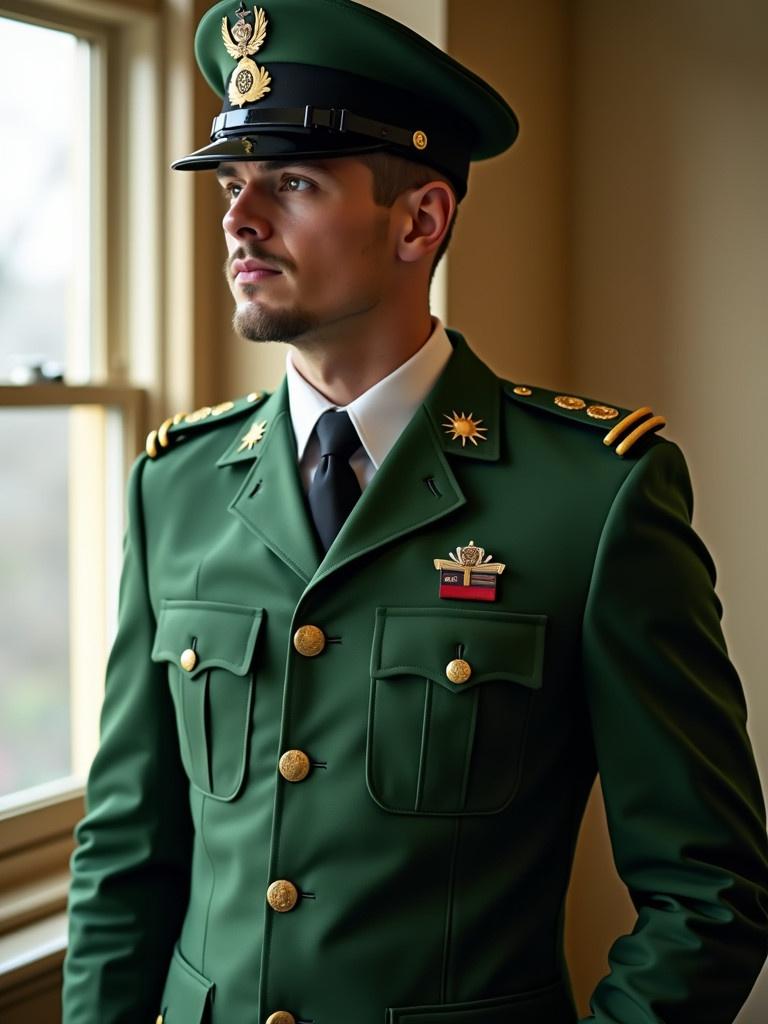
345, 364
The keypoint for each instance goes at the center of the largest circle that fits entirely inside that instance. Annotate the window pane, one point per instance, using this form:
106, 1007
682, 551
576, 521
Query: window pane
44, 219
34, 606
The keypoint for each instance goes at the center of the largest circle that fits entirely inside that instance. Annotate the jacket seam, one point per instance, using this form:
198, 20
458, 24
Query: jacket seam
449, 907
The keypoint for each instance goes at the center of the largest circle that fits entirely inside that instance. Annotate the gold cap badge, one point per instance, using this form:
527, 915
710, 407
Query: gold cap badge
248, 81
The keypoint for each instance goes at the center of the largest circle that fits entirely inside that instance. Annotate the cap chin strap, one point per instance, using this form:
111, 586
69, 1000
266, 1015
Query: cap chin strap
243, 121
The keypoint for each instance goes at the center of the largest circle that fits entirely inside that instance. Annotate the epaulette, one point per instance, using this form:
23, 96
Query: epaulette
624, 427
177, 428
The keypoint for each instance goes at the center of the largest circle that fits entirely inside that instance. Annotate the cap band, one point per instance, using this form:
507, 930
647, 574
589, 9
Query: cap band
309, 117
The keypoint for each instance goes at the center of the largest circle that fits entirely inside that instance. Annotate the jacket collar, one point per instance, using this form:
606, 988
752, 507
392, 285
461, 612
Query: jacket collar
414, 486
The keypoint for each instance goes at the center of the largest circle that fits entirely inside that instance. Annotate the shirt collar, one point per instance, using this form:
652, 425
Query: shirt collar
382, 412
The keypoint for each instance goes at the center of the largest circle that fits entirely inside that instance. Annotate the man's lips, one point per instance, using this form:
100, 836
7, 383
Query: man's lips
250, 271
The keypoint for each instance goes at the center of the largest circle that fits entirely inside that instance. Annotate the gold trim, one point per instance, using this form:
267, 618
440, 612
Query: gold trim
179, 416
151, 444
253, 396
656, 423
620, 427
602, 412
162, 432
217, 410
199, 414
522, 390
420, 140
569, 402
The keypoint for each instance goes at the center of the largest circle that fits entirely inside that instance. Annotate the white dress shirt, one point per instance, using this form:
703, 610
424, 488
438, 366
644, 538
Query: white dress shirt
380, 414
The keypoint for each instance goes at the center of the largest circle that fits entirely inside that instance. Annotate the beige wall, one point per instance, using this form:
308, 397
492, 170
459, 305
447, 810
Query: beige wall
669, 256
628, 232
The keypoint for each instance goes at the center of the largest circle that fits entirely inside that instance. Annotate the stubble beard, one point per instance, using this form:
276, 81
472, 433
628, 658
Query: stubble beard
254, 322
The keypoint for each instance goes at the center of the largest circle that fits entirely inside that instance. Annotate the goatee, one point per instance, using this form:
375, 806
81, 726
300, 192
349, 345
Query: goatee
256, 323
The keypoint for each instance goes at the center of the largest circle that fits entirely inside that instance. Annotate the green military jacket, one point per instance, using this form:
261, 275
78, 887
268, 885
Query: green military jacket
330, 825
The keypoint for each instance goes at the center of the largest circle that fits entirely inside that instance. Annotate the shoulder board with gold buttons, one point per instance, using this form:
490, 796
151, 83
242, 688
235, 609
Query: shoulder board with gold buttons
622, 428
178, 428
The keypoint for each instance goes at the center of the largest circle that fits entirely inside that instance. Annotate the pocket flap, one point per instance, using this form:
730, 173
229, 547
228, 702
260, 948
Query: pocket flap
186, 992
422, 641
222, 635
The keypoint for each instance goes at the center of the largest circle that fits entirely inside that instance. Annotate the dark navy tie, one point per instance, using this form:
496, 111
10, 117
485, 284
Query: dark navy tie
334, 488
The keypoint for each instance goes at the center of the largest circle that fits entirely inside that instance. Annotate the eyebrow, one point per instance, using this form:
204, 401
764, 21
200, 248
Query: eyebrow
230, 170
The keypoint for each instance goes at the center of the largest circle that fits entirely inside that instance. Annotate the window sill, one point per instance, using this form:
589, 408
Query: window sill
30, 961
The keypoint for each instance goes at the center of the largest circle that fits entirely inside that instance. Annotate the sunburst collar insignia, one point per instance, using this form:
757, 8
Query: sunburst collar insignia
464, 427
248, 81
255, 434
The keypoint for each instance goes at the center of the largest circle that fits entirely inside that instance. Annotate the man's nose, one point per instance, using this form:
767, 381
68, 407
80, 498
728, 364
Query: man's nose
245, 218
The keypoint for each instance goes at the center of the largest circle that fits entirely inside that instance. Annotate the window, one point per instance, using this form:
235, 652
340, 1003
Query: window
80, 274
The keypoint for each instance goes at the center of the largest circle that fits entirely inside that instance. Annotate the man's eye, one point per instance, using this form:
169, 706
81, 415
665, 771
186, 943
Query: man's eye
301, 181
232, 191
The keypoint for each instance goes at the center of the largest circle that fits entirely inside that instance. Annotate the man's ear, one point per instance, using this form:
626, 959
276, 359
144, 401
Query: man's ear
428, 214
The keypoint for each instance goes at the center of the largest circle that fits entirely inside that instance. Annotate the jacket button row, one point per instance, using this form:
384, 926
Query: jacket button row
282, 895
309, 641
294, 765
280, 1017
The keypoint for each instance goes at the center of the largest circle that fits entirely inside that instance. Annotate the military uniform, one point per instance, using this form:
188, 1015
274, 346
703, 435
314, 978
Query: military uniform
346, 788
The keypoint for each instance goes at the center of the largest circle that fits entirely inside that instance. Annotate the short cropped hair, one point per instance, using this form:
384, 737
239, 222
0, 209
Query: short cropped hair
392, 175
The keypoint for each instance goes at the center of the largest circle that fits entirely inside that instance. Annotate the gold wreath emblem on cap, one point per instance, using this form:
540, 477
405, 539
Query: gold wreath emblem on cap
248, 82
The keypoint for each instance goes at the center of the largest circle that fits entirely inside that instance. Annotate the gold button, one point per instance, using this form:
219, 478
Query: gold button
521, 389
420, 140
160, 1019
602, 412
570, 402
188, 659
253, 396
281, 1017
282, 895
294, 765
458, 670
309, 641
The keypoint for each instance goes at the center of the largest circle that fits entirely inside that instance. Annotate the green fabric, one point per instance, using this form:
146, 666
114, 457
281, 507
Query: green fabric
432, 840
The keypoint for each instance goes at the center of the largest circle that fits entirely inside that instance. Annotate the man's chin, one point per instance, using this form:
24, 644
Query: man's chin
254, 322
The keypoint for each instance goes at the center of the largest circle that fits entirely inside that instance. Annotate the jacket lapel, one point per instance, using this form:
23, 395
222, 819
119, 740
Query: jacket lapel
271, 501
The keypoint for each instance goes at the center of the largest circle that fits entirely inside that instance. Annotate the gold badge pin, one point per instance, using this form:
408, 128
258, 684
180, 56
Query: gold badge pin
468, 575
465, 427
248, 82
255, 433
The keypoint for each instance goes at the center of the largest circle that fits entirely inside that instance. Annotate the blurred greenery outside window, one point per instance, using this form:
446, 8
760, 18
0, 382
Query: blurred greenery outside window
70, 416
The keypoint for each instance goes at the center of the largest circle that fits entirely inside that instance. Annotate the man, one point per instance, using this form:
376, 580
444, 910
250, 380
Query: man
379, 629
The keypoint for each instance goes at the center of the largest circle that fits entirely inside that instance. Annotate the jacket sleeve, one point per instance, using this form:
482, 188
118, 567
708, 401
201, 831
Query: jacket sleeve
682, 794
130, 871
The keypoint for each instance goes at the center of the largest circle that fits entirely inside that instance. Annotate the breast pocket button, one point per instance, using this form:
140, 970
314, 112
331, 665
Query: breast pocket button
280, 1017
458, 670
188, 659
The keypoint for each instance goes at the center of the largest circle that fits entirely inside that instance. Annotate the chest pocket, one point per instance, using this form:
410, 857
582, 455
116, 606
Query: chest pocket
440, 747
209, 647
